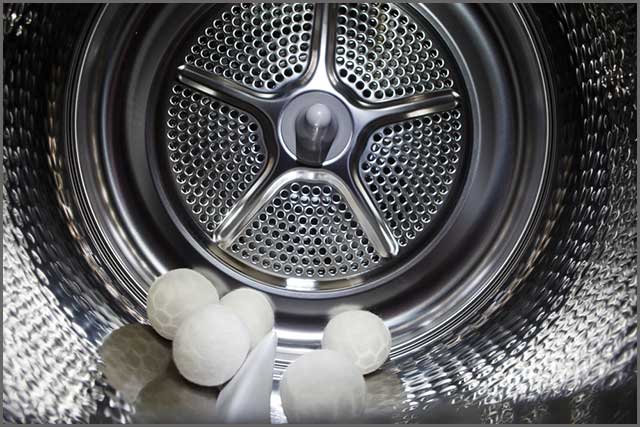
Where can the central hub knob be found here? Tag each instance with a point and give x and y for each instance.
(318, 116)
(315, 132)
(315, 128)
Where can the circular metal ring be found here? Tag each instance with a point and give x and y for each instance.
(488, 108)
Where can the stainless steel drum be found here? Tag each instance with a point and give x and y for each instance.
(476, 189)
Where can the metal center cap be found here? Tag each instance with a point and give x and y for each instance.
(315, 128)
(318, 116)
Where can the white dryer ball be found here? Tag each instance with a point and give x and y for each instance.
(174, 296)
(254, 309)
(322, 386)
(361, 336)
(211, 345)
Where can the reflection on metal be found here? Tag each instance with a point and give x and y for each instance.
(246, 398)
(132, 356)
(381, 238)
(533, 310)
(170, 399)
(356, 118)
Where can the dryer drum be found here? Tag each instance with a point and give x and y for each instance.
(473, 182)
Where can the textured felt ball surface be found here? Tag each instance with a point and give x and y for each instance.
(254, 309)
(210, 345)
(361, 336)
(322, 386)
(175, 295)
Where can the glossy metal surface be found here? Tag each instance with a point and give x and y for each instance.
(477, 229)
(510, 312)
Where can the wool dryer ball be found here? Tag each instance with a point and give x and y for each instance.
(211, 345)
(322, 386)
(174, 296)
(361, 336)
(254, 309)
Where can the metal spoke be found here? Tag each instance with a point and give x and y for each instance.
(242, 212)
(372, 223)
(281, 170)
(249, 205)
(367, 216)
(227, 90)
(253, 199)
(324, 33)
(364, 208)
(409, 108)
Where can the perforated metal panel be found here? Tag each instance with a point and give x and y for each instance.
(382, 54)
(306, 230)
(410, 169)
(261, 46)
(558, 345)
(216, 152)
